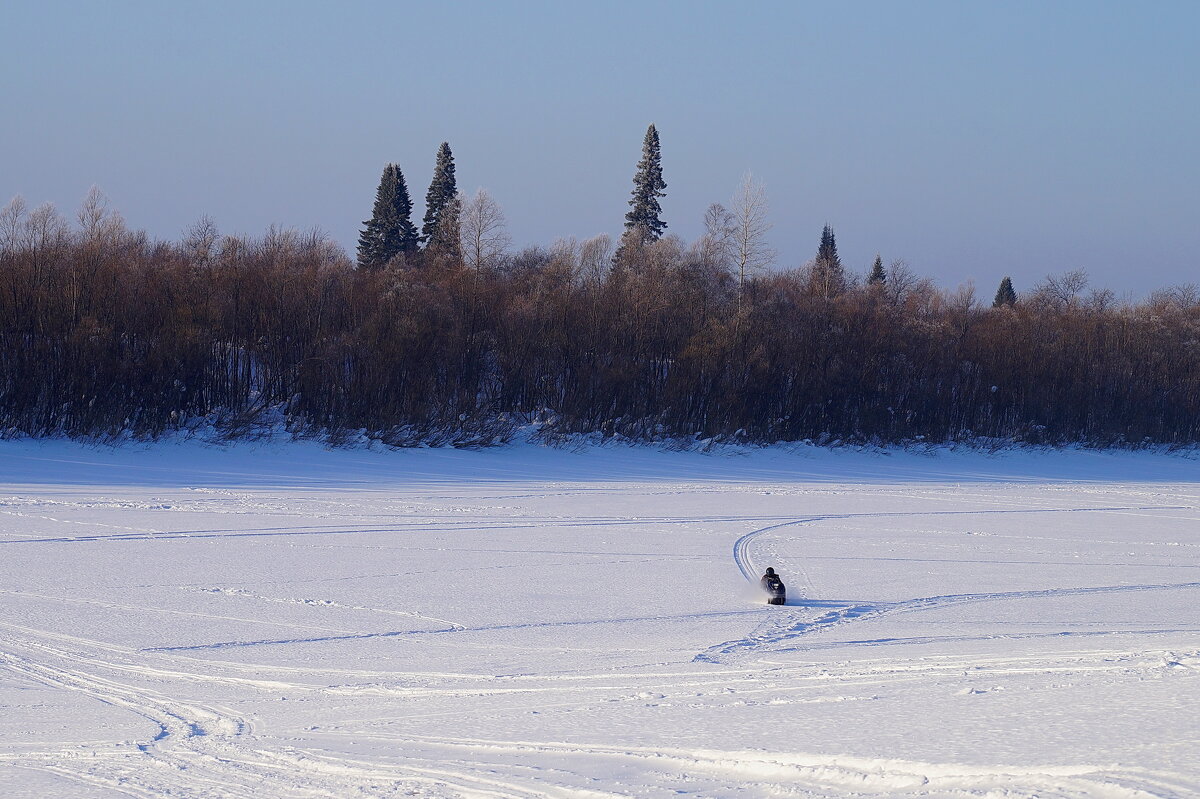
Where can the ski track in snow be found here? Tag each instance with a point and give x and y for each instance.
(197, 750)
(781, 632)
(208, 751)
(329, 603)
(220, 748)
(804, 775)
(205, 750)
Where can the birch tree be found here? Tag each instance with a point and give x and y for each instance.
(484, 231)
(750, 225)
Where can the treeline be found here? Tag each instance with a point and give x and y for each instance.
(104, 331)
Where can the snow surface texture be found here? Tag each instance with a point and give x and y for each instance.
(286, 621)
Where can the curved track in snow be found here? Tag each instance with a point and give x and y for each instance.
(781, 631)
(742, 553)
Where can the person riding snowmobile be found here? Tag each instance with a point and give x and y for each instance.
(773, 586)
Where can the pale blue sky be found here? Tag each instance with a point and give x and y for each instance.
(971, 139)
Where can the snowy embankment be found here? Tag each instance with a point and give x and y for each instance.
(287, 621)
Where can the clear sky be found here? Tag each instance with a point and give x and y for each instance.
(971, 139)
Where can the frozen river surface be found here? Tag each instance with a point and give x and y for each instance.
(287, 621)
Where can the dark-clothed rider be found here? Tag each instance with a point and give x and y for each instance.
(773, 586)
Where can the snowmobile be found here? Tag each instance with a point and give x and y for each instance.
(774, 588)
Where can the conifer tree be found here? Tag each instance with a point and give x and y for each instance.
(827, 251)
(828, 275)
(390, 231)
(446, 238)
(1005, 294)
(442, 190)
(643, 217)
(877, 277)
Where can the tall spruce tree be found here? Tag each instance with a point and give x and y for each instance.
(877, 277)
(828, 274)
(827, 250)
(648, 184)
(1005, 294)
(390, 231)
(442, 190)
(446, 239)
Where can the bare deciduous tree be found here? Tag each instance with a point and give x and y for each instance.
(483, 230)
(200, 239)
(715, 247)
(902, 282)
(1185, 296)
(595, 256)
(12, 220)
(750, 227)
(45, 229)
(1061, 290)
(95, 217)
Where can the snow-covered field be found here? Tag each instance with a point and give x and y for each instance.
(286, 621)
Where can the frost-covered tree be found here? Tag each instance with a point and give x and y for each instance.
(715, 248)
(445, 240)
(482, 230)
(390, 231)
(442, 191)
(643, 219)
(751, 224)
(1005, 295)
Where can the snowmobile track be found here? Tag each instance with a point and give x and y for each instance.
(787, 627)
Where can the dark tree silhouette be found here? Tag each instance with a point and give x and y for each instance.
(442, 191)
(644, 220)
(828, 276)
(877, 277)
(1005, 295)
(390, 231)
